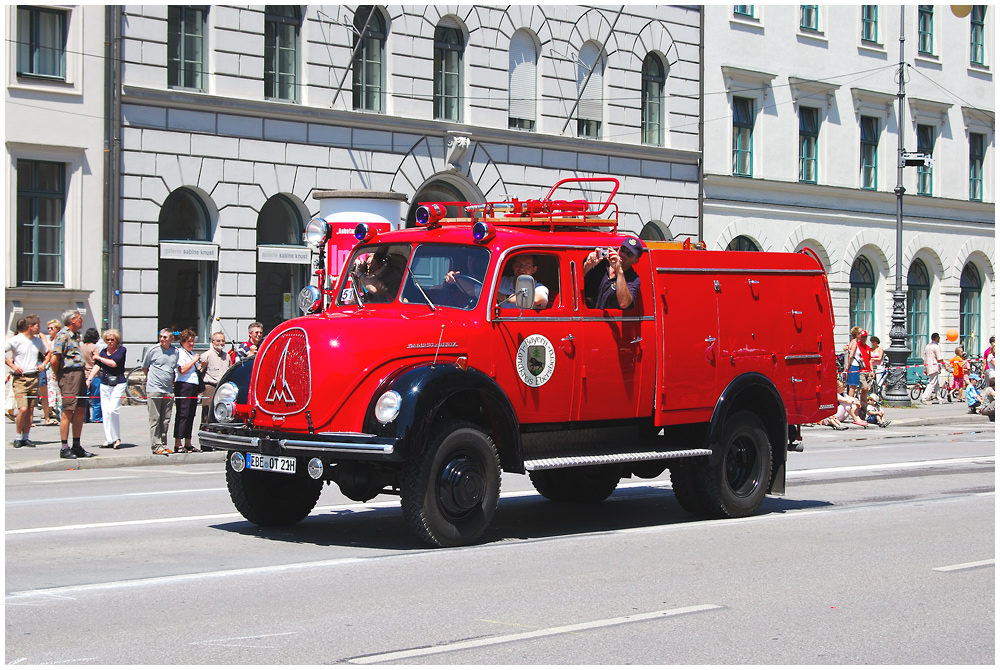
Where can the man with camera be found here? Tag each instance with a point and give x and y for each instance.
(609, 282)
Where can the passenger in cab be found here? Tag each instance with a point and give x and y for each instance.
(522, 264)
(380, 276)
(609, 282)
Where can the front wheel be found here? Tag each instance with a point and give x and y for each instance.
(135, 386)
(915, 392)
(587, 484)
(272, 499)
(450, 491)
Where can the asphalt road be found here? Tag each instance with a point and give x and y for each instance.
(882, 551)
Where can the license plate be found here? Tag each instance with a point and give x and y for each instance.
(271, 463)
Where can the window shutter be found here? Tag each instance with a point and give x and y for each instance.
(522, 76)
(591, 101)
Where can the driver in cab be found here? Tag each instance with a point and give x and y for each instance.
(609, 282)
(523, 264)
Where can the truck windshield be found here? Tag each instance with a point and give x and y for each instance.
(446, 275)
(375, 272)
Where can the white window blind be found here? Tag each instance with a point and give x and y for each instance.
(523, 59)
(593, 97)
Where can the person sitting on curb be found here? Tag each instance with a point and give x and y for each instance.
(972, 396)
(875, 414)
(847, 409)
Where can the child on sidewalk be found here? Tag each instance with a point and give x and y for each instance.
(972, 396)
(875, 414)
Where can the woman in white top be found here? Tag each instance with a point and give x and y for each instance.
(186, 391)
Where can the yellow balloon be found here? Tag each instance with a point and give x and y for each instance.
(961, 11)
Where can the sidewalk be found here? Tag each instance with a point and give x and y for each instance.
(135, 448)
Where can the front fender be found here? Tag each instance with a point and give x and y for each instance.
(431, 392)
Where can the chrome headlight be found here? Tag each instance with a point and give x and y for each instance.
(316, 232)
(224, 402)
(388, 406)
(309, 299)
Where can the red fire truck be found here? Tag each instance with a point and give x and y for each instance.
(473, 344)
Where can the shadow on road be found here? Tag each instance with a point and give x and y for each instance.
(523, 518)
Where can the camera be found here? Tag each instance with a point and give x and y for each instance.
(602, 253)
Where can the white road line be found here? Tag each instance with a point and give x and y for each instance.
(59, 591)
(517, 637)
(891, 466)
(117, 524)
(85, 479)
(115, 496)
(966, 566)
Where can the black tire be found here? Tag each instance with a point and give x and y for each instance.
(450, 491)
(690, 495)
(916, 391)
(270, 498)
(735, 486)
(586, 484)
(135, 386)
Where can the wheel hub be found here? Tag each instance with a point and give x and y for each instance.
(461, 486)
(740, 466)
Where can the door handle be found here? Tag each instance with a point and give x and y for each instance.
(710, 339)
(636, 340)
(796, 312)
(568, 338)
(796, 380)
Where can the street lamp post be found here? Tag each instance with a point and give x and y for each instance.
(899, 350)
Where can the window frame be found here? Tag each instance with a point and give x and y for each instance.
(443, 48)
(925, 29)
(970, 308)
(977, 35)
(368, 68)
(925, 174)
(739, 126)
(976, 160)
(869, 24)
(179, 79)
(32, 197)
(809, 138)
(522, 114)
(872, 144)
(273, 49)
(862, 295)
(27, 49)
(587, 126)
(742, 243)
(744, 11)
(918, 292)
(652, 102)
(804, 13)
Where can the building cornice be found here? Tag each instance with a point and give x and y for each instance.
(810, 89)
(206, 102)
(872, 99)
(738, 79)
(981, 117)
(929, 109)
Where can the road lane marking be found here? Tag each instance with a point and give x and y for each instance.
(240, 641)
(83, 480)
(966, 566)
(530, 635)
(115, 496)
(354, 507)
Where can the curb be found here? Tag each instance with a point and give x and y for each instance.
(962, 418)
(101, 461)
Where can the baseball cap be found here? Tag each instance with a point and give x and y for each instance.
(864, 333)
(974, 377)
(633, 245)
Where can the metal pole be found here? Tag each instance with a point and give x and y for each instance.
(899, 351)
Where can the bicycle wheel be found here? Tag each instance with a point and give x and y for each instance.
(135, 386)
(915, 391)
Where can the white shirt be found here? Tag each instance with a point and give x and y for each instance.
(27, 351)
(183, 358)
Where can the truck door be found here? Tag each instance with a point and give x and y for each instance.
(618, 364)
(809, 356)
(689, 346)
(535, 351)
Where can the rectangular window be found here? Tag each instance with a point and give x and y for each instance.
(977, 152)
(869, 23)
(869, 153)
(808, 140)
(185, 47)
(743, 10)
(809, 17)
(743, 118)
(41, 42)
(41, 199)
(280, 58)
(925, 29)
(925, 174)
(917, 319)
(977, 36)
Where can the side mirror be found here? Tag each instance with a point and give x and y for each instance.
(524, 290)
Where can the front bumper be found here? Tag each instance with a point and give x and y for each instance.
(330, 446)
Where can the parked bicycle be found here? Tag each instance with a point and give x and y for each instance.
(944, 393)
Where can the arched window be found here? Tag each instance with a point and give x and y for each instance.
(186, 287)
(653, 82)
(449, 51)
(281, 52)
(279, 226)
(523, 60)
(862, 305)
(918, 290)
(369, 59)
(742, 243)
(436, 191)
(652, 232)
(590, 88)
(969, 305)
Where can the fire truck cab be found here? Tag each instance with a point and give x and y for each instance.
(474, 344)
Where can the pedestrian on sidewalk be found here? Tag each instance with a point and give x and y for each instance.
(217, 364)
(110, 366)
(89, 349)
(933, 362)
(186, 391)
(159, 366)
(255, 332)
(972, 397)
(48, 394)
(990, 361)
(28, 357)
(67, 367)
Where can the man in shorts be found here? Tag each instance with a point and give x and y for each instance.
(29, 356)
(67, 366)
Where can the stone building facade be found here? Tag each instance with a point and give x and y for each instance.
(801, 128)
(232, 117)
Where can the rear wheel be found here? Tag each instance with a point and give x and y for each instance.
(587, 484)
(685, 481)
(272, 499)
(915, 391)
(449, 493)
(135, 386)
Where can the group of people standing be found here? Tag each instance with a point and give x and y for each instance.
(857, 402)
